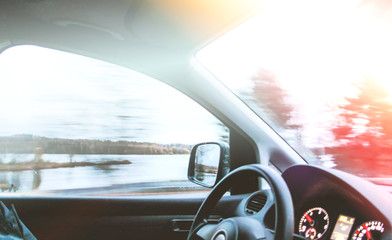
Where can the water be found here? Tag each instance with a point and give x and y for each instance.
(144, 168)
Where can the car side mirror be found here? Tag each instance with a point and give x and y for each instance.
(209, 163)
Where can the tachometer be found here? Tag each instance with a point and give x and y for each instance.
(314, 223)
(369, 230)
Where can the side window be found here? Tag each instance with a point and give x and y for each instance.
(71, 125)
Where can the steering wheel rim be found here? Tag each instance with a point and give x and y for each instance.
(284, 210)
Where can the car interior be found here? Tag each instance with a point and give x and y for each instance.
(261, 188)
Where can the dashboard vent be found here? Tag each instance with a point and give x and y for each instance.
(255, 203)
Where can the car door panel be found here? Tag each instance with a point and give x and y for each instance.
(112, 218)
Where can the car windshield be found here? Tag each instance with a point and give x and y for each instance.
(318, 72)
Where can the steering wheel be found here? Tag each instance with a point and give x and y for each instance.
(250, 227)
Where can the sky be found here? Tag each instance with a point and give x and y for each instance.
(50, 93)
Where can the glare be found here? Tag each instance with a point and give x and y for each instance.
(308, 44)
(308, 68)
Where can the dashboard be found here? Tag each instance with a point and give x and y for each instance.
(329, 204)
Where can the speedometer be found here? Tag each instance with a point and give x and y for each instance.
(369, 230)
(314, 223)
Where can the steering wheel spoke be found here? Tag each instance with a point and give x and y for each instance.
(206, 231)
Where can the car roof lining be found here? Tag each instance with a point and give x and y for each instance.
(145, 27)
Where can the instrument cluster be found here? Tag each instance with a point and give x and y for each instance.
(316, 223)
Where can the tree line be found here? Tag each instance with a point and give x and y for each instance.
(27, 144)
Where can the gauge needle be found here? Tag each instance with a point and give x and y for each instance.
(368, 234)
(308, 218)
